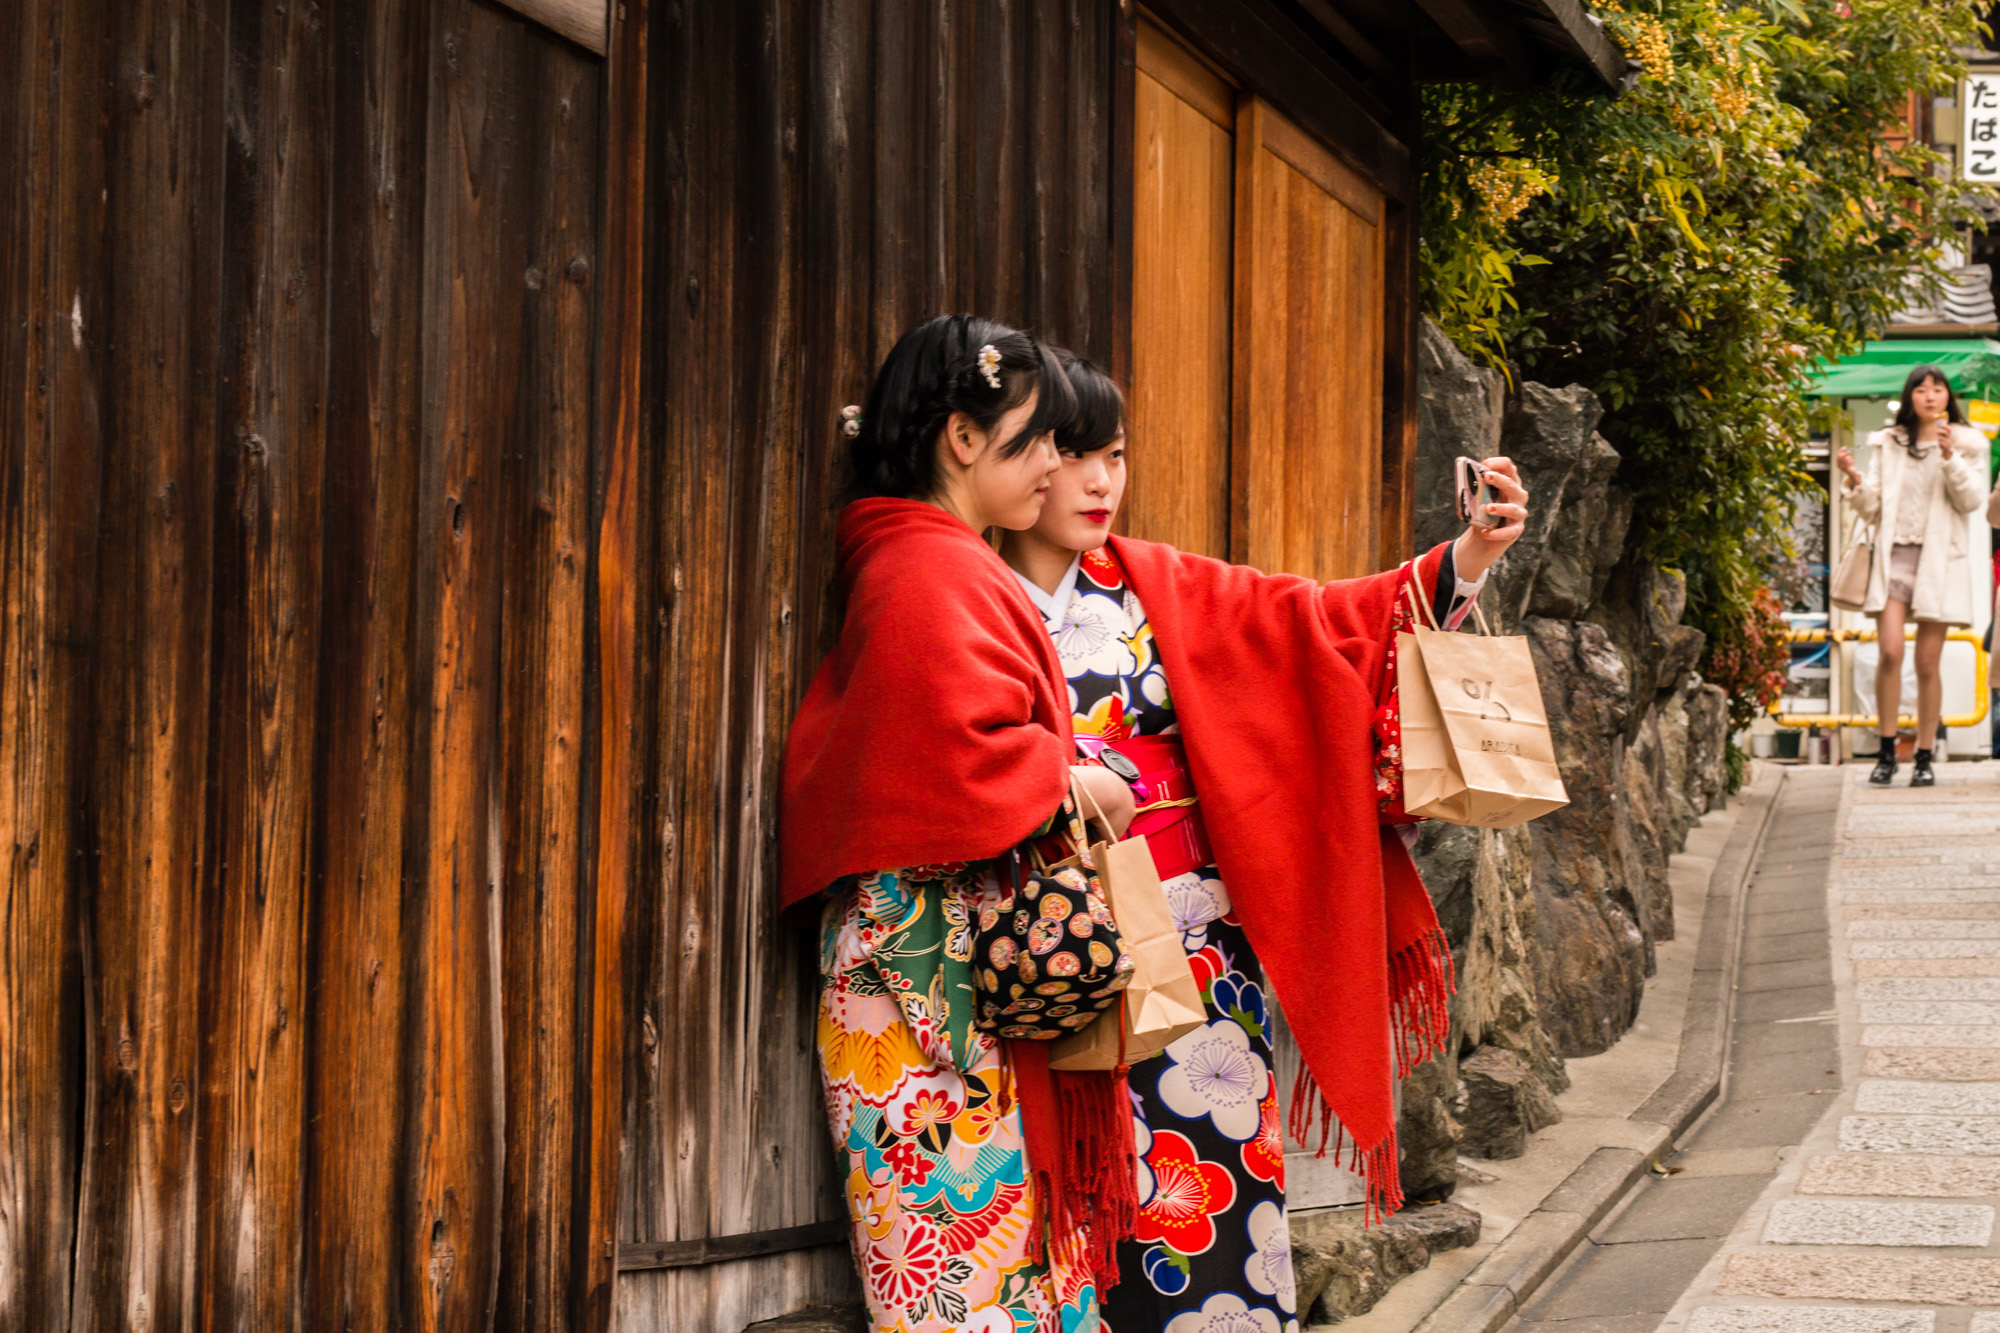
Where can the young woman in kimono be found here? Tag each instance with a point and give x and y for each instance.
(985, 1192)
(1264, 699)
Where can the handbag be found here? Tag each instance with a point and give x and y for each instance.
(1161, 1001)
(1476, 742)
(1048, 956)
(1848, 588)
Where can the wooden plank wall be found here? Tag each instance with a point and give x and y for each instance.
(830, 173)
(297, 467)
(415, 525)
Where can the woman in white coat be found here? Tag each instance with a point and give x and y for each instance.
(1919, 494)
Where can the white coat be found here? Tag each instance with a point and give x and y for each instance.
(1943, 591)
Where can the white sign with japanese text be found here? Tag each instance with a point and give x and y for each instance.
(1979, 149)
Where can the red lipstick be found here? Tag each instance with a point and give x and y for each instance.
(1098, 515)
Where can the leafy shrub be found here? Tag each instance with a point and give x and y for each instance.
(1688, 251)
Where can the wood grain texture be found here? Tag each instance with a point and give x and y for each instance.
(863, 168)
(1308, 382)
(47, 548)
(142, 132)
(416, 531)
(270, 454)
(295, 565)
(1184, 191)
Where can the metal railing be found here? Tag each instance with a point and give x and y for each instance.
(1839, 636)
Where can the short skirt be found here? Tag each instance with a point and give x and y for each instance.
(1902, 574)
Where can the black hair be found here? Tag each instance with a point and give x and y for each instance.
(933, 371)
(1906, 415)
(1100, 406)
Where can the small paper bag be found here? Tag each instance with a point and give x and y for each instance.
(1162, 1001)
(1476, 743)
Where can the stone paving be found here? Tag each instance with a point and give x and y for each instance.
(1783, 1067)
(1880, 1218)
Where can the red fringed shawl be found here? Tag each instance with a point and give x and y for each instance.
(938, 730)
(1276, 680)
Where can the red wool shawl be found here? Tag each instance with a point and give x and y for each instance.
(938, 730)
(1275, 681)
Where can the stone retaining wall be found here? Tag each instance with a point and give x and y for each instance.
(1553, 924)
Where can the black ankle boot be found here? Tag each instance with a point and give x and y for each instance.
(1920, 770)
(1885, 765)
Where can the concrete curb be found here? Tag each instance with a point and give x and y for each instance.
(1508, 1278)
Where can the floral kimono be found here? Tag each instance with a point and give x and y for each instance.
(923, 1111)
(1213, 1250)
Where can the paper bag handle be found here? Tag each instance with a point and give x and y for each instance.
(1419, 606)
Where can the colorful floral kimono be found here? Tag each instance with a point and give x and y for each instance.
(1213, 1251)
(923, 1111)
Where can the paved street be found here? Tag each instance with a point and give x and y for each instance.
(1847, 1183)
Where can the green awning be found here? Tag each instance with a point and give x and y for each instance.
(1878, 370)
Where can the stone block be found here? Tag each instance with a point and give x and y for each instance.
(1943, 1062)
(1343, 1268)
(1920, 1280)
(1501, 1102)
(1933, 1135)
(1846, 1222)
(1809, 1319)
(1908, 1176)
(1894, 1096)
(816, 1319)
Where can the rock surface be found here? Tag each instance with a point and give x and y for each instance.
(1500, 1103)
(1590, 949)
(1551, 434)
(1427, 1132)
(1459, 408)
(1343, 1269)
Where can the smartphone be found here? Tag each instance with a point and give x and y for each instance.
(1476, 496)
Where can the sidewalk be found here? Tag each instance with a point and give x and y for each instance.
(1623, 1107)
(1881, 1218)
(1780, 1080)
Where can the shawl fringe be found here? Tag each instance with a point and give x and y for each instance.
(1421, 984)
(1098, 1195)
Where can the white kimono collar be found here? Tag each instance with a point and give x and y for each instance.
(1053, 604)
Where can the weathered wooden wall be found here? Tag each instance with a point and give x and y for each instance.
(830, 172)
(298, 457)
(415, 479)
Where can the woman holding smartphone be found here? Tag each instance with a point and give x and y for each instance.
(1919, 494)
(1251, 715)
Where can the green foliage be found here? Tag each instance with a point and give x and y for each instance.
(1748, 659)
(1688, 250)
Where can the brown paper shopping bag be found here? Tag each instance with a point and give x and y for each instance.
(1476, 743)
(1162, 1001)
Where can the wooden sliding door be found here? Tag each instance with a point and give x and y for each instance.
(1307, 470)
(1259, 291)
(1184, 197)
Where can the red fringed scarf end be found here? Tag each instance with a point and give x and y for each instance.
(1100, 1171)
(1421, 984)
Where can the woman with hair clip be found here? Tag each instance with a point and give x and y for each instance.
(1919, 495)
(1263, 698)
(986, 1192)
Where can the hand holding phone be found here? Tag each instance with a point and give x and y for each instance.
(1476, 494)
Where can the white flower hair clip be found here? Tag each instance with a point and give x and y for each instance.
(989, 365)
(850, 421)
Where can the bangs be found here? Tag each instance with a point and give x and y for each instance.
(1055, 408)
(1100, 409)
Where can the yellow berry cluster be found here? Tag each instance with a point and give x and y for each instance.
(1732, 100)
(1504, 192)
(1647, 42)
